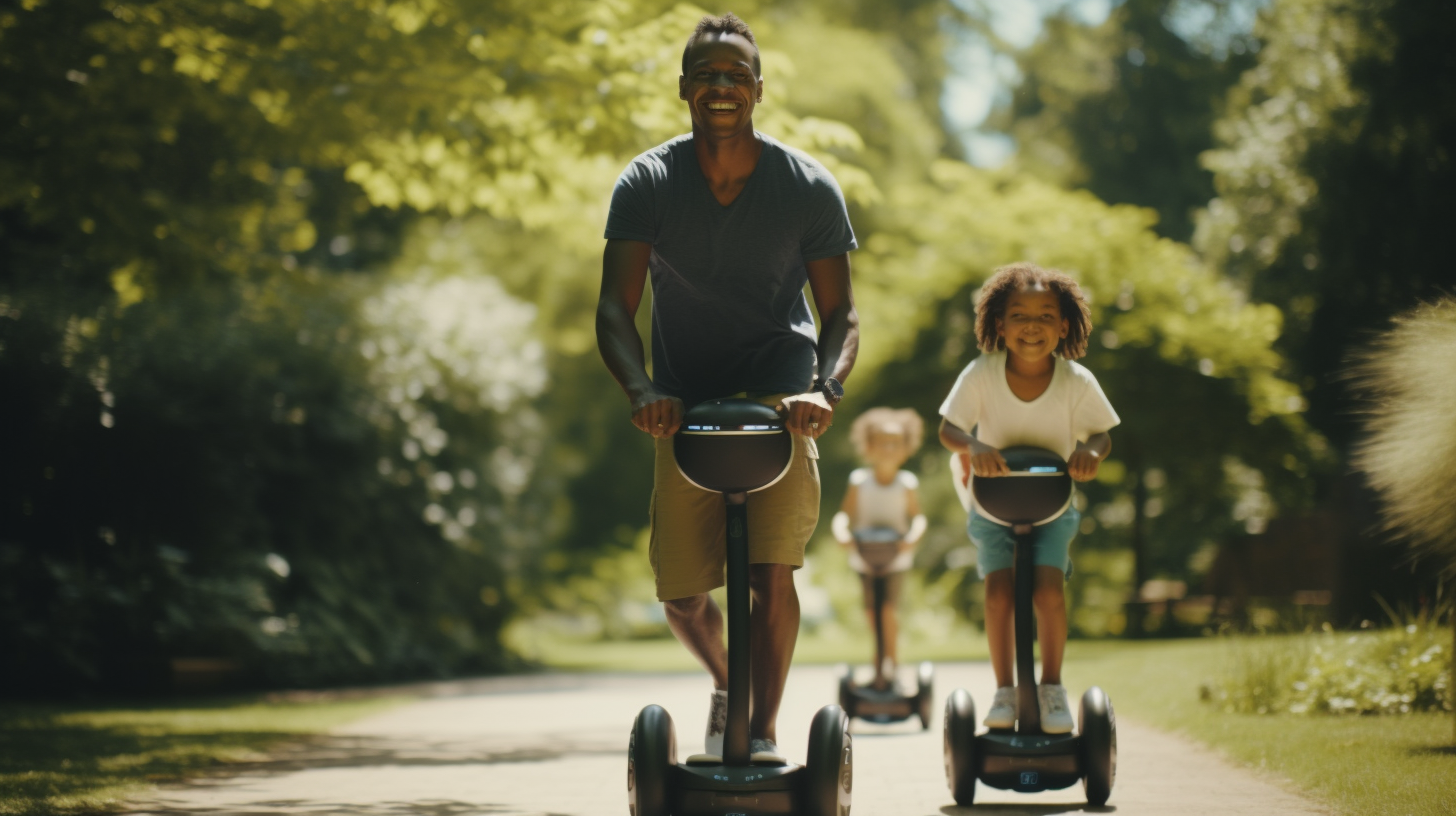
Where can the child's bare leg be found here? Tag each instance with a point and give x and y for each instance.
(1000, 600)
(879, 647)
(1051, 622)
(892, 636)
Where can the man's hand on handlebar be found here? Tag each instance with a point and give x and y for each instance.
(657, 414)
(809, 414)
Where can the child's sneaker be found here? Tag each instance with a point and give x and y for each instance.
(1056, 716)
(766, 753)
(1003, 709)
(717, 724)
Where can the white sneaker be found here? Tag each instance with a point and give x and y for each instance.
(1003, 709)
(717, 723)
(1056, 716)
(764, 752)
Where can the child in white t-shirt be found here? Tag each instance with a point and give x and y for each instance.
(1024, 389)
(880, 521)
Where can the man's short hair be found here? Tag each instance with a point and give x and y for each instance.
(727, 24)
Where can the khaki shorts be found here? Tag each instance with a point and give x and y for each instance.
(689, 544)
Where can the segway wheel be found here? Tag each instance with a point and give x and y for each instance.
(846, 689)
(960, 747)
(925, 694)
(650, 753)
(1098, 727)
(829, 771)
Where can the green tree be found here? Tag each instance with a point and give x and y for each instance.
(1334, 172)
(226, 440)
(1188, 363)
(1125, 108)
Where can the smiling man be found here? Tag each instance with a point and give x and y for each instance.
(731, 225)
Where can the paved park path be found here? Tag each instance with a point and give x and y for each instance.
(555, 745)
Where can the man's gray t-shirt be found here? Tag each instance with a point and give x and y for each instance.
(729, 313)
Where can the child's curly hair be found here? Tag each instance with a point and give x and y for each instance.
(1020, 277)
(904, 421)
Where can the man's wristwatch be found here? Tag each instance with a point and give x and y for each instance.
(832, 390)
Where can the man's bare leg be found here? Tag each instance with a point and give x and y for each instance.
(775, 625)
(698, 624)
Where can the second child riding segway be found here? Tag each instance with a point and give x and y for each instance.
(878, 548)
(1038, 488)
(736, 447)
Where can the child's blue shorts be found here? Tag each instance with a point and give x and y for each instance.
(996, 544)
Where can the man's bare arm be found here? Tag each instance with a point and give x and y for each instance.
(811, 414)
(624, 275)
(839, 329)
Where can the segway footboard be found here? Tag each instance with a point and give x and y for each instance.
(1029, 763)
(717, 790)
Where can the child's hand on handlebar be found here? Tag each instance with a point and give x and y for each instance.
(987, 461)
(657, 414)
(1083, 463)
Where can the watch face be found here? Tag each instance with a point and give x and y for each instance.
(833, 389)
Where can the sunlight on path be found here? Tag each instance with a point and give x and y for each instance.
(556, 745)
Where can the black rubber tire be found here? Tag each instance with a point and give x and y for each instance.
(1098, 728)
(829, 769)
(650, 754)
(846, 690)
(960, 747)
(925, 694)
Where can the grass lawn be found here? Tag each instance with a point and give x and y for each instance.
(1397, 765)
(57, 759)
(666, 654)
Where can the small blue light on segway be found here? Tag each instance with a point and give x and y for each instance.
(1041, 469)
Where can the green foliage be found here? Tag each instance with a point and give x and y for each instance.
(1124, 109)
(1409, 446)
(296, 310)
(1333, 172)
(1399, 670)
(1187, 362)
(204, 476)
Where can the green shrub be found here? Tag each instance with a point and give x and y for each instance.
(1398, 670)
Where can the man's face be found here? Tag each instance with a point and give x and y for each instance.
(721, 86)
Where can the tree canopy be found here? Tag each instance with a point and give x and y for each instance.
(296, 306)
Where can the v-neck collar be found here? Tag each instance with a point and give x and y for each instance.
(708, 186)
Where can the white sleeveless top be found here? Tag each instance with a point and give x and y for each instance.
(883, 506)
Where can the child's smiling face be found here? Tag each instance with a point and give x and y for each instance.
(1032, 324)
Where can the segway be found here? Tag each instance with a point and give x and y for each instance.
(878, 547)
(735, 447)
(1026, 759)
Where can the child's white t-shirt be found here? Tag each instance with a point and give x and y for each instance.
(1070, 410)
(882, 505)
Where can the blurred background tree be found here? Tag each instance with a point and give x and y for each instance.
(297, 370)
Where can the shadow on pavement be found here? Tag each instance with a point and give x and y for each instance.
(303, 807)
(313, 753)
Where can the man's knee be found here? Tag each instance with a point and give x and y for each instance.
(686, 609)
(770, 582)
